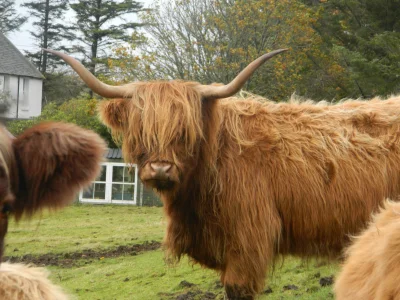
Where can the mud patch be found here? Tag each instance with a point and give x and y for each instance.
(72, 259)
(191, 291)
(267, 291)
(290, 287)
(185, 284)
(326, 281)
(195, 294)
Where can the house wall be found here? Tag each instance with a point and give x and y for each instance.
(28, 101)
(35, 97)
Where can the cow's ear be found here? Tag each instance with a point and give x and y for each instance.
(55, 161)
(114, 113)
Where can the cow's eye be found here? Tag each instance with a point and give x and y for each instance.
(5, 211)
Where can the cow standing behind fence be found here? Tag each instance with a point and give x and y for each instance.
(243, 180)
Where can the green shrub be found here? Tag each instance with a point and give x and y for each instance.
(82, 112)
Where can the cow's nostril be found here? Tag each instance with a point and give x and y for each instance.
(160, 168)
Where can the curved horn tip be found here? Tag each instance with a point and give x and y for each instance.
(275, 52)
(52, 51)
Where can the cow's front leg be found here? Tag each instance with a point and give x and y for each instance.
(243, 278)
(235, 292)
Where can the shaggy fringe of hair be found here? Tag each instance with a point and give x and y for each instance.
(160, 115)
(24, 282)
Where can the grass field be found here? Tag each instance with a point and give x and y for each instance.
(112, 252)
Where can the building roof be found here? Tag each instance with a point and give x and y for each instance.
(12, 62)
(113, 154)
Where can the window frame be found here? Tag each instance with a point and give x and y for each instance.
(108, 185)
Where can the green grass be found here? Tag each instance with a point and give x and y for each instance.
(81, 227)
(142, 276)
(146, 276)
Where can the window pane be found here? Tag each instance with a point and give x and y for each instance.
(88, 193)
(2, 81)
(6, 83)
(116, 193)
(100, 191)
(129, 174)
(102, 176)
(129, 192)
(118, 174)
(21, 85)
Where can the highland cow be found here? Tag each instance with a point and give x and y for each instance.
(18, 281)
(244, 180)
(44, 168)
(372, 266)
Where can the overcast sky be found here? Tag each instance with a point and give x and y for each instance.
(22, 38)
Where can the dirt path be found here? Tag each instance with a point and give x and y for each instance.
(68, 260)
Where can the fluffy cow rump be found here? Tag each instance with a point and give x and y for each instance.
(372, 266)
(22, 282)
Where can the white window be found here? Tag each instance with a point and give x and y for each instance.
(2, 83)
(97, 191)
(24, 93)
(117, 183)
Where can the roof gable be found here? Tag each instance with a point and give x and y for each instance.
(12, 62)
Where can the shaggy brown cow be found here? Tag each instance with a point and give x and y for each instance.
(45, 167)
(372, 267)
(243, 180)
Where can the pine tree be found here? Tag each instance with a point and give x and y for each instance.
(49, 30)
(9, 19)
(94, 22)
(364, 37)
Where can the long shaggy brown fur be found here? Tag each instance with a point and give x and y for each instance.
(258, 178)
(45, 167)
(55, 161)
(42, 168)
(21, 282)
(372, 266)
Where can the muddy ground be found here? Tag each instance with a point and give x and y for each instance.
(192, 291)
(69, 260)
(188, 290)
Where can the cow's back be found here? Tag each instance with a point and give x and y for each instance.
(324, 168)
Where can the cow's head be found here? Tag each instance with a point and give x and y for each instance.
(45, 167)
(161, 123)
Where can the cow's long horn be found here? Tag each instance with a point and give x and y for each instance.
(104, 90)
(215, 92)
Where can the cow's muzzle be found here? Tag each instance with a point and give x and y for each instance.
(160, 175)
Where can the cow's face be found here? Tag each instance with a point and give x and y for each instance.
(45, 167)
(161, 128)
